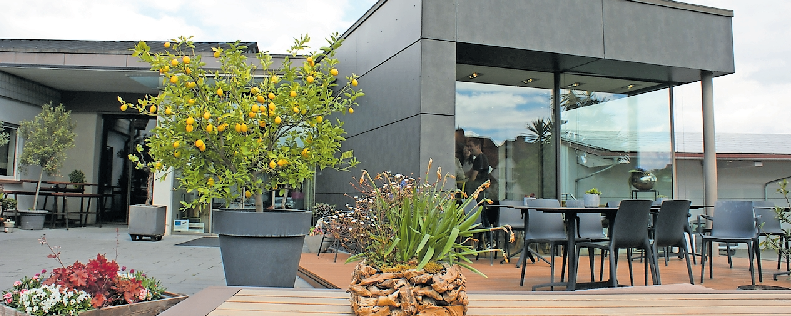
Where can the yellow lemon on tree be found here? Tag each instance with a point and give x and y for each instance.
(168, 111)
(153, 109)
(188, 71)
(309, 59)
(278, 120)
(248, 194)
(271, 106)
(254, 90)
(209, 128)
(174, 79)
(191, 84)
(262, 123)
(174, 62)
(206, 115)
(272, 164)
(309, 79)
(244, 128)
(319, 119)
(296, 109)
(282, 162)
(251, 114)
(216, 54)
(167, 44)
(186, 59)
(157, 165)
(219, 91)
(260, 99)
(221, 127)
(191, 101)
(190, 120)
(199, 143)
(210, 181)
(354, 82)
(167, 68)
(177, 154)
(305, 152)
(303, 111)
(255, 108)
(271, 96)
(176, 144)
(351, 110)
(123, 107)
(334, 72)
(293, 93)
(189, 128)
(238, 128)
(273, 79)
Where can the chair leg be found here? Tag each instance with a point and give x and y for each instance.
(757, 248)
(629, 262)
(613, 267)
(592, 258)
(702, 261)
(730, 260)
(523, 259)
(689, 267)
(601, 264)
(788, 256)
(751, 254)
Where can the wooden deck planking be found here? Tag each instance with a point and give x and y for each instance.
(336, 302)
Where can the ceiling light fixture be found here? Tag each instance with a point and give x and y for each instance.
(574, 85)
(474, 75)
(529, 80)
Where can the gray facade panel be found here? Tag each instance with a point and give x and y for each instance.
(393, 147)
(392, 93)
(660, 35)
(438, 77)
(561, 26)
(439, 19)
(394, 26)
(437, 143)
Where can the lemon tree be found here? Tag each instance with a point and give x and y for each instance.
(245, 129)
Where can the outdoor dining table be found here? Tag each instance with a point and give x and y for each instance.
(571, 218)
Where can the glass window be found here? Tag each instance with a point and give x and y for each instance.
(8, 151)
(504, 132)
(617, 142)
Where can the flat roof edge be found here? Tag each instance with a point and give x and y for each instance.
(687, 6)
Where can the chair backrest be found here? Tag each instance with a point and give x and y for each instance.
(542, 225)
(734, 219)
(575, 203)
(511, 216)
(631, 224)
(470, 208)
(768, 222)
(671, 221)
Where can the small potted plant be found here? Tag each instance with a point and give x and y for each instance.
(592, 198)
(7, 204)
(77, 177)
(47, 137)
(412, 238)
(244, 130)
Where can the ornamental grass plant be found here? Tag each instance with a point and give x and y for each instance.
(399, 222)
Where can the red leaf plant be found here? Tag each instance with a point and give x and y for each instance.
(100, 279)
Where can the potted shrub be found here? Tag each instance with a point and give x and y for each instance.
(242, 131)
(412, 236)
(146, 220)
(47, 137)
(7, 204)
(592, 198)
(77, 176)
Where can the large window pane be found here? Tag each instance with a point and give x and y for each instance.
(8, 152)
(512, 127)
(606, 137)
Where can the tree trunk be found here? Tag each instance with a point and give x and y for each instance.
(259, 202)
(38, 188)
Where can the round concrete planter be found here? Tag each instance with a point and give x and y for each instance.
(32, 219)
(261, 249)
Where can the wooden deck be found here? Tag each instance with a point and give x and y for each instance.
(500, 294)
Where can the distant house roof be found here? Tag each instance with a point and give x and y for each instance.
(688, 145)
(100, 47)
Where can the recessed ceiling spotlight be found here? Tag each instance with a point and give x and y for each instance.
(574, 85)
(631, 86)
(474, 75)
(529, 80)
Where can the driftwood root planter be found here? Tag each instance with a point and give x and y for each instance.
(410, 292)
(148, 308)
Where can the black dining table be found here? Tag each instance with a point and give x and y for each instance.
(571, 218)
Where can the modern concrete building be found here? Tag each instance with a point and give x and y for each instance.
(561, 95)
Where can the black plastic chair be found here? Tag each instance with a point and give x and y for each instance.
(543, 228)
(769, 225)
(512, 217)
(733, 222)
(670, 230)
(629, 231)
(589, 229)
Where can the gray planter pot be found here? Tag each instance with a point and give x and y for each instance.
(261, 249)
(32, 219)
(147, 221)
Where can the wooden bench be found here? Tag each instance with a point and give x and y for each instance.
(84, 211)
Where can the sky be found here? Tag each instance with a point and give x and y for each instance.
(753, 100)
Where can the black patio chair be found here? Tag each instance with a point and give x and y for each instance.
(733, 222)
(670, 231)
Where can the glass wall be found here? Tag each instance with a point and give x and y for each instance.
(611, 130)
(612, 139)
(7, 151)
(510, 128)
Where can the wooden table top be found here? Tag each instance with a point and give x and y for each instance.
(655, 300)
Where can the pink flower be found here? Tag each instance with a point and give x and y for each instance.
(7, 295)
(123, 268)
(23, 291)
(17, 283)
(132, 271)
(43, 271)
(35, 277)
